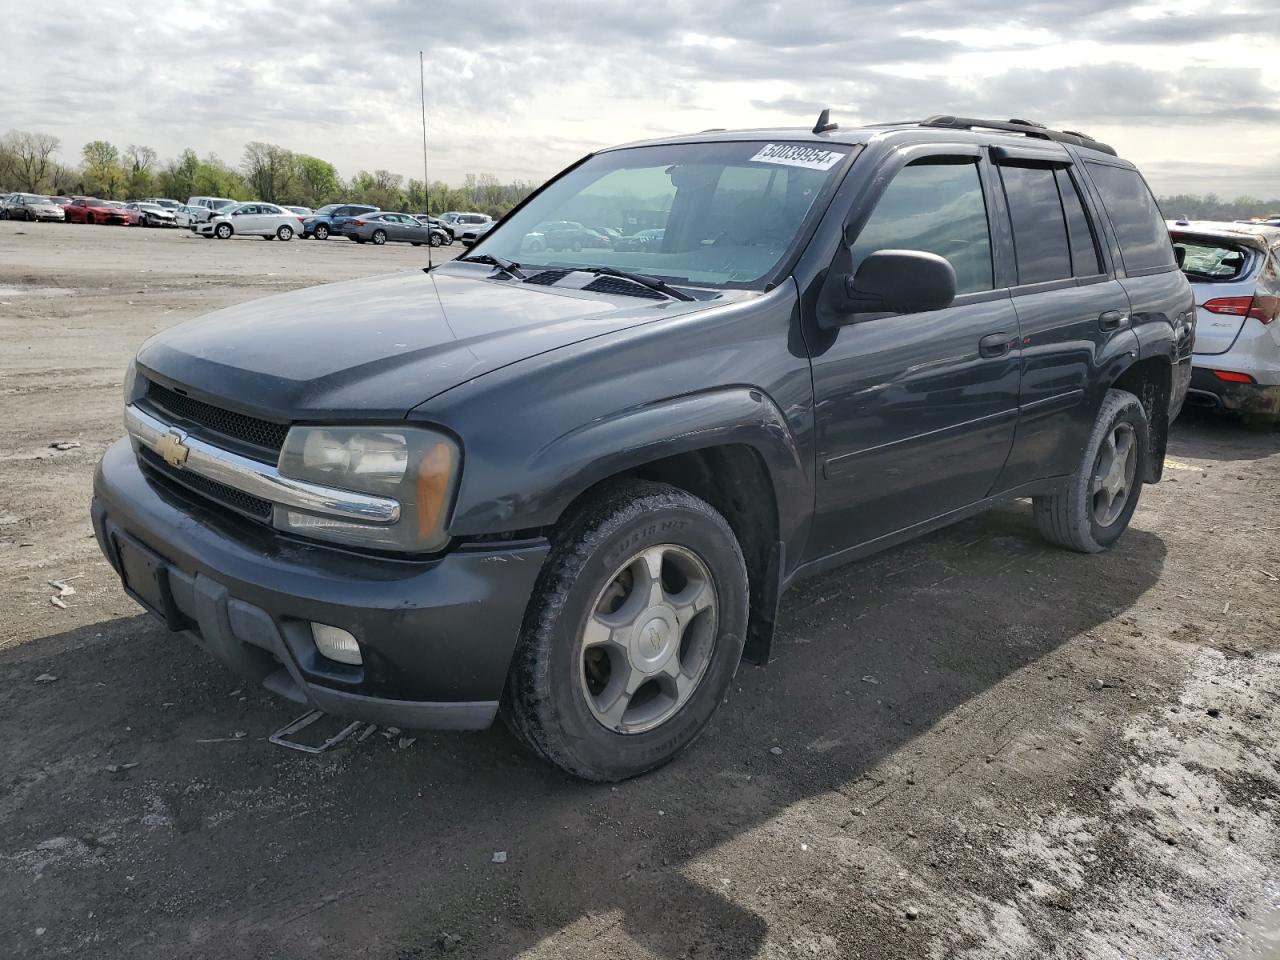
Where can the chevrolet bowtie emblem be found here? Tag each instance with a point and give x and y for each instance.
(171, 447)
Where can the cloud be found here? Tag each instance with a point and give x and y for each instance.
(522, 89)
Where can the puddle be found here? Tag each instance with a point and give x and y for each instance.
(33, 291)
(1259, 932)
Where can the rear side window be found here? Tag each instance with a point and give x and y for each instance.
(1139, 225)
(937, 208)
(1039, 228)
(1085, 261)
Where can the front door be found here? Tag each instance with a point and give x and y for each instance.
(916, 413)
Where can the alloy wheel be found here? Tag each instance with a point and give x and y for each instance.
(1113, 474)
(648, 639)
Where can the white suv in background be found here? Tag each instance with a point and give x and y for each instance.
(205, 207)
(1234, 269)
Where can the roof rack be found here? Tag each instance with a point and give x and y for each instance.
(1025, 127)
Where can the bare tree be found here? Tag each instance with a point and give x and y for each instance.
(31, 156)
(140, 159)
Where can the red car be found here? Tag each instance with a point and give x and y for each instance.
(92, 210)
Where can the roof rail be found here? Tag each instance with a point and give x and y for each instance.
(1026, 127)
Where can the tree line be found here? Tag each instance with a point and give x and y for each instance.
(29, 163)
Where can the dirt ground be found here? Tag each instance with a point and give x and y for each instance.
(989, 748)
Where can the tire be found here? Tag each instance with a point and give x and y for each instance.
(558, 684)
(1085, 516)
(321, 232)
(223, 231)
(89, 218)
(31, 217)
(285, 233)
(379, 237)
(436, 240)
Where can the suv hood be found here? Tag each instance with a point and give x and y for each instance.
(380, 346)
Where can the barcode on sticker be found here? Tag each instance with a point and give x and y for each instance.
(798, 155)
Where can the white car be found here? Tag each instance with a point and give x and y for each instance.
(1234, 269)
(151, 214)
(205, 207)
(186, 216)
(254, 219)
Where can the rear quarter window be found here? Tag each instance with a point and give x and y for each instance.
(1135, 216)
(1206, 260)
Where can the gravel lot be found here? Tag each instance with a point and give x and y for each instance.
(988, 747)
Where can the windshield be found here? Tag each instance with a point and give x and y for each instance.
(722, 214)
(221, 204)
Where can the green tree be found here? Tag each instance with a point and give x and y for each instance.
(317, 181)
(103, 172)
(269, 171)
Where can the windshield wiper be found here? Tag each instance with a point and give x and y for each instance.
(653, 283)
(502, 263)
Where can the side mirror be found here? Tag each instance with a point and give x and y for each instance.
(901, 281)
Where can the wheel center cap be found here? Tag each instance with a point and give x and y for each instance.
(652, 640)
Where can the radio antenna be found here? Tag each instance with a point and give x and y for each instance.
(426, 175)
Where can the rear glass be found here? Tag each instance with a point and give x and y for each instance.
(1208, 260)
(1139, 225)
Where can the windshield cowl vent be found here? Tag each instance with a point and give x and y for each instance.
(547, 277)
(621, 287)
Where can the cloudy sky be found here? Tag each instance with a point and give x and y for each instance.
(1188, 90)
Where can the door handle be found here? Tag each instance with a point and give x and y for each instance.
(1111, 320)
(995, 345)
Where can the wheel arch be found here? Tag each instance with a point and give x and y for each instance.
(1151, 381)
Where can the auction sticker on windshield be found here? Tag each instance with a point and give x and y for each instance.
(798, 155)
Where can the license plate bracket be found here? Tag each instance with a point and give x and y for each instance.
(145, 576)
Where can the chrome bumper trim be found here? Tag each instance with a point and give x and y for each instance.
(259, 479)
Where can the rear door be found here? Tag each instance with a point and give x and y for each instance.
(915, 413)
(1070, 309)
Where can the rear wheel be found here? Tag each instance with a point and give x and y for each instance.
(379, 237)
(285, 233)
(1094, 510)
(321, 232)
(633, 634)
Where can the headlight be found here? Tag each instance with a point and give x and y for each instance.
(417, 467)
(130, 382)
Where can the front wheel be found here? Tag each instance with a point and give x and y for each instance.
(436, 240)
(223, 231)
(321, 232)
(1095, 508)
(633, 635)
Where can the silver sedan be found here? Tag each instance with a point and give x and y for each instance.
(383, 227)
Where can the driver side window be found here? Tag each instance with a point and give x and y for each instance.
(935, 207)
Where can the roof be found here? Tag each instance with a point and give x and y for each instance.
(1257, 235)
(950, 128)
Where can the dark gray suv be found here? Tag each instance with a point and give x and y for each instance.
(573, 491)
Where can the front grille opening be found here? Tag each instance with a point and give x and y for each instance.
(243, 503)
(202, 417)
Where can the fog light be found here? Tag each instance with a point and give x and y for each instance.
(336, 644)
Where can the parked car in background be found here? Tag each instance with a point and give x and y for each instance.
(571, 235)
(165, 202)
(1234, 269)
(253, 219)
(205, 207)
(61, 201)
(32, 207)
(186, 216)
(642, 240)
(300, 211)
(459, 222)
(438, 224)
(93, 210)
(473, 234)
(383, 227)
(577, 495)
(146, 214)
(320, 224)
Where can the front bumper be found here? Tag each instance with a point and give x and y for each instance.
(436, 636)
(1255, 399)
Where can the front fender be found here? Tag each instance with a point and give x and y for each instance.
(568, 465)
